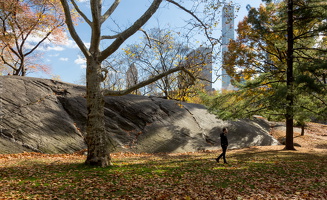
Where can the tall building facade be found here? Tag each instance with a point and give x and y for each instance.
(132, 77)
(227, 35)
(201, 58)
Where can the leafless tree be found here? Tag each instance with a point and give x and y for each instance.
(98, 141)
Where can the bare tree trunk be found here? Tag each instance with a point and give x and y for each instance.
(19, 72)
(289, 133)
(98, 141)
(289, 97)
(302, 129)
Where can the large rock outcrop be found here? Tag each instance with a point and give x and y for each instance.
(50, 116)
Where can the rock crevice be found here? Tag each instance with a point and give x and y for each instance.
(50, 117)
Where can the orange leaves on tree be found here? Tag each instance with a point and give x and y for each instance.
(247, 55)
(26, 26)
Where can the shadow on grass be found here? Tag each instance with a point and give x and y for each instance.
(151, 176)
(279, 155)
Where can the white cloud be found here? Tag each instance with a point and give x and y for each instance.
(80, 61)
(63, 59)
(87, 44)
(71, 44)
(54, 55)
(46, 48)
(47, 45)
(54, 48)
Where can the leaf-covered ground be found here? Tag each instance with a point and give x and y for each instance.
(252, 173)
(315, 135)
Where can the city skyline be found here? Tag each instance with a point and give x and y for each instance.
(67, 62)
(227, 35)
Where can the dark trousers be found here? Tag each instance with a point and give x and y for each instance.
(223, 154)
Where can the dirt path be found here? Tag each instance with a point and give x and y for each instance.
(315, 135)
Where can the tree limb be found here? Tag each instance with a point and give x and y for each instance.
(131, 30)
(109, 37)
(107, 92)
(193, 15)
(109, 11)
(5, 61)
(149, 38)
(105, 74)
(81, 13)
(72, 29)
(117, 35)
(41, 41)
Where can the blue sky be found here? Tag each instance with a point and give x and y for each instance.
(67, 61)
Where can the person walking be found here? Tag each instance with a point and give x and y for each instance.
(224, 145)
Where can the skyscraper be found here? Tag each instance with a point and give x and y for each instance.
(227, 35)
(132, 77)
(201, 58)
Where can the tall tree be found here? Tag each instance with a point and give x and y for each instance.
(161, 50)
(98, 141)
(289, 114)
(274, 75)
(25, 26)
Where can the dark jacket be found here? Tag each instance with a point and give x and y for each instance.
(223, 139)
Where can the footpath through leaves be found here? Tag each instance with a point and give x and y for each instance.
(253, 173)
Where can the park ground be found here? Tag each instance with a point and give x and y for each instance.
(267, 172)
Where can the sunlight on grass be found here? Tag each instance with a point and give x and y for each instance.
(159, 171)
(231, 168)
(258, 175)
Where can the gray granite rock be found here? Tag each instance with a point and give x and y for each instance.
(49, 116)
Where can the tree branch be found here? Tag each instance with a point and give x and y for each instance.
(4, 60)
(110, 11)
(81, 13)
(117, 35)
(149, 38)
(109, 37)
(41, 41)
(72, 29)
(107, 92)
(193, 15)
(131, 30)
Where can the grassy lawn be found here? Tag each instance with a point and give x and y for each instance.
(252, 173)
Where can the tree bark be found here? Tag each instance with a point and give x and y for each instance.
(98, 141)
(302, 129)
(289, 97)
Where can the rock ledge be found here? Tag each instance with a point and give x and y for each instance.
(49, 116)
